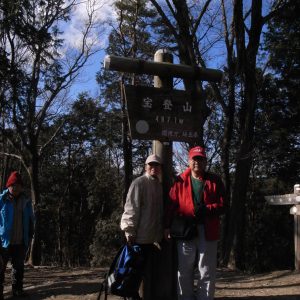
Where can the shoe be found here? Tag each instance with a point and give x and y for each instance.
(20, 293)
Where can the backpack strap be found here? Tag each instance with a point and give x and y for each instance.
(104, 283)
(113, 264)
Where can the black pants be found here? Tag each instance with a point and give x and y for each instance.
(150, 253)
(17, 255)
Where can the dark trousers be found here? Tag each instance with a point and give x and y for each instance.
(17, 255)
(150, 253)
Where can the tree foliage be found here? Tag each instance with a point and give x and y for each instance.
(35, 76)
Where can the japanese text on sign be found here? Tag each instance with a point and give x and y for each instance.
(162, 114)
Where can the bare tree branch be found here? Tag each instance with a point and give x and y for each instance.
(12, 155)
(165, 18)
(198, 20)
(42, 149)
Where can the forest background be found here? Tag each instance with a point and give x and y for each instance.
(76, 154)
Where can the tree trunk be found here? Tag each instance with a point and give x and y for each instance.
(225, 158)
(229, 115)
(35, 253)
(243, 166)
(246, 55)
(127, 146)
(4, 172)
(187, 56)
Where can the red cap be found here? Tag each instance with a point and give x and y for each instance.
(197, 151)
(14, 178)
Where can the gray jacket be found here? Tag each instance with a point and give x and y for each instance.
(143, 211)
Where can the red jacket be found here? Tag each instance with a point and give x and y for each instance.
(181, 201)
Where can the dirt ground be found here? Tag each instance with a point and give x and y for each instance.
(79, 283)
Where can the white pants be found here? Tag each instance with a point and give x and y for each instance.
(203, 254)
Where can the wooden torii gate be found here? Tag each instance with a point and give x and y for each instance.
(164, 71)
(291, 199)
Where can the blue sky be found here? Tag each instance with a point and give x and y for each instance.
(105, 14)
(86, 82)
(72, 35)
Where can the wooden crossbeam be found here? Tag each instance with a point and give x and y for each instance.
(163, 69)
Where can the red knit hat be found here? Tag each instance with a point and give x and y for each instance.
(14, 178)
(197, 151)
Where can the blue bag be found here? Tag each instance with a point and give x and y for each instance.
(125, 273)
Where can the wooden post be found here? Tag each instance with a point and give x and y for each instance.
(164, 150)
(164, 285)
(295, 210)
(297, 238)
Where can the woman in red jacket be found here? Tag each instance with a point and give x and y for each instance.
(199, 195)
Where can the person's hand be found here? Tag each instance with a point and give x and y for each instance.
(167, 235)
(130, 240)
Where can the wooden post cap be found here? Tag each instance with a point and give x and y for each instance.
(293, 210)
(297, 189)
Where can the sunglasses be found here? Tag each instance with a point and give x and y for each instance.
(199, 158)
(154, 164)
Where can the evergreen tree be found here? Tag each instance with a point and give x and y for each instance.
(282, 41)
(80, 182)
(275, 167)
(131, 37)
(35, 76)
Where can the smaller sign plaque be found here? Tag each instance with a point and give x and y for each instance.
(288, 199)
(165, 115)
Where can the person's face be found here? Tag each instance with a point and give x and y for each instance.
(197, 164)
(15, 189)
(153, 169)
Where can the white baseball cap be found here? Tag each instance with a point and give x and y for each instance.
(153, 158)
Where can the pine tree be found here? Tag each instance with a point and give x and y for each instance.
(131, 37)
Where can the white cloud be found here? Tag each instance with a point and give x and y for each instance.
(103, 14)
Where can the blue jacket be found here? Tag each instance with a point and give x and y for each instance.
(6, 219)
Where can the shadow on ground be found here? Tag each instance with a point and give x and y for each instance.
(53, 283)
(289, 297)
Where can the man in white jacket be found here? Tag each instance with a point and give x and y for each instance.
(142, 220)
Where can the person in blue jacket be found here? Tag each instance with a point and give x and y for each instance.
(16, 231)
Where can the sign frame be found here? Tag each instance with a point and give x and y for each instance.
(162, 114)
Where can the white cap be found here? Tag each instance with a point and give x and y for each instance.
(153, 158)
